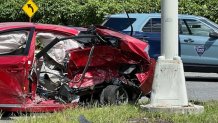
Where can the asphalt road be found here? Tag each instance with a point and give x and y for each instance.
(202, 86)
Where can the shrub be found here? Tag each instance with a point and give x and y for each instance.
(86, 12)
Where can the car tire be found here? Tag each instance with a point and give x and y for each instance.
(114, 94)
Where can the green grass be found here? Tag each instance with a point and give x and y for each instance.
(123, 114)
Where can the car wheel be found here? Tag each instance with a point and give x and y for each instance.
(114, 94)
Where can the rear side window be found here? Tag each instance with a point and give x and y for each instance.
(119, 24)
(195, 27)
(153, 25)
(13, 43)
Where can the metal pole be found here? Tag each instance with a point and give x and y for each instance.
(169, 89)
(30, 19)
(169, 81)
(169, 29)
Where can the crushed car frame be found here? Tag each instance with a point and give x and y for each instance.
(71, 66)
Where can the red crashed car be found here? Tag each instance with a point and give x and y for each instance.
(49, 67)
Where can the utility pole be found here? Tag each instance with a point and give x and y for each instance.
(169, 89)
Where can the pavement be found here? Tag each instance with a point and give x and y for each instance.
(202, 91)
(202, 86)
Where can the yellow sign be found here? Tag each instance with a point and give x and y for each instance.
(30, 8)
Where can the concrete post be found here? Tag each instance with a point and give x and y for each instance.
(169, 89)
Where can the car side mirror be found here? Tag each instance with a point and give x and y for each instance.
(213, 34)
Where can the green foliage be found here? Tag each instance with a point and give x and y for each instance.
(123, 114)
(87, 12)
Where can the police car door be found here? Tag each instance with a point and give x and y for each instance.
(196, 45)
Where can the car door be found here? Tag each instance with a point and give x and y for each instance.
(197, 48)
(151, 32)
(15, 62)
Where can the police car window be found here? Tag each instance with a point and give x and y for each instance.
(210, 23)
(194, 27)
(119, 24)
(153, 25)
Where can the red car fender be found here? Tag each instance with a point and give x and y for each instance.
(146, 79)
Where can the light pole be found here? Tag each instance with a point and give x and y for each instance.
(169, 89)
(169, 83)
(169, 28)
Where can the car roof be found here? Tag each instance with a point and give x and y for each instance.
(146, 15)
(141, 17)
(38, 26)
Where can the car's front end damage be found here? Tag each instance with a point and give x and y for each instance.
(97, 64)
